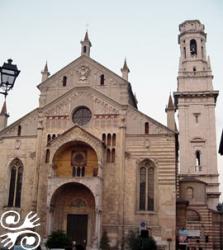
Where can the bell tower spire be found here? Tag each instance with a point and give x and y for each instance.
(193, 60)
(86, 45)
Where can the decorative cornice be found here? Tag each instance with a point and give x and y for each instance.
(195, 94)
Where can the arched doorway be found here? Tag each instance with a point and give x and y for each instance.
(73, 211)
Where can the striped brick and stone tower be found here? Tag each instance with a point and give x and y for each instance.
(195, 100)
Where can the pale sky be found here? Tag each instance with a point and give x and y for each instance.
(143, 31)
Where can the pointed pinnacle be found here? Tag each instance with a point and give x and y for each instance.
(86, 39)
(4, 109)
(125, 67)
(46, 68)
(45, 72)
(170, 103)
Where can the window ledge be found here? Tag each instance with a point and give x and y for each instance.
(145, 212)
(7, 208)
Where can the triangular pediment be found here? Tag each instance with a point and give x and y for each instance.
(83, 69)
(75, 133)
(97, 102)
(86, 72)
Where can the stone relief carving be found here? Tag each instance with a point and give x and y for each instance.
(66, 106)
(83, 72)
(147, 143)
(17, 144)
(78, 203)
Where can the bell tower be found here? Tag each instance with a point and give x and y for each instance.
(195, 101)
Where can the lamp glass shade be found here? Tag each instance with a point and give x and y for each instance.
(8, 76)
(9, 73)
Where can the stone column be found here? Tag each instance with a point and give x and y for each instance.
(49, 221)
(97, 236)
(38, 157)
(99, 169)
(98, 209)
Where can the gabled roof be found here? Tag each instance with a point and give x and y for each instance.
(90, 60)
(17, 122)
(87, 58)
(154, 121)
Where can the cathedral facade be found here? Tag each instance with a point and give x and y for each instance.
(88, 161)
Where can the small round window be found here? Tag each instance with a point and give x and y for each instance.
(81, 115)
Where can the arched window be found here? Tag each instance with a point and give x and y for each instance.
(53, 136)
(108, 155)
(64, 81)
(185, 52)
(19, 187)
(190, 193)
(19, 130)
(198, 160)
(84, 49)
(113, 155)
(109, 140)
(193, 216)
(113, 139)
(79, 163)
(193, 47)
(142, 188)
(104, 138)
(15, 187)
(146, 186)
(12, 186)
(202, 51)
(48, 138)
(146, 128)
(47, 159)
(102, 79)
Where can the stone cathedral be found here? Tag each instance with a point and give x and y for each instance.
(88, 161)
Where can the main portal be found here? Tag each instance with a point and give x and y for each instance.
(77, 225)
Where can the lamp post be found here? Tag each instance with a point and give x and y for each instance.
(9, 73)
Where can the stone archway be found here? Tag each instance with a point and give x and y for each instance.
(73, 211)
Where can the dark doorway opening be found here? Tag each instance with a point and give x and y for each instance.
(77, 229)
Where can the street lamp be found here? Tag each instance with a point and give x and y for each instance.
(9, 73)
